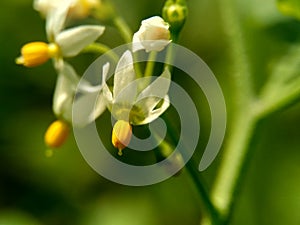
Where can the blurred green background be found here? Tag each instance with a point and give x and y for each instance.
(35, 190)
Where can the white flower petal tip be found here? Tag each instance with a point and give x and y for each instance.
(124, 74)
(74, 40)
(153, 35)
(56, 18)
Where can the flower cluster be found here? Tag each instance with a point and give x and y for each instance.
(131, 101)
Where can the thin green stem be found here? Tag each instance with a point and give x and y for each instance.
(266, 107)
(150, 64)
(197, 181)
(203, 192)
(123, 28)
(98, 48)
(127, 35)
(170, 53)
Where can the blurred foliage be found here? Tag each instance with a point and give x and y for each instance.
(65, 190)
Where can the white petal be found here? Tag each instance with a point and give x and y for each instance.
(63, 98)
(45, 6)
(86, 87)
(56, 19)
(106, 92)
(136, 43)
(155, 45)
(155, 21)
(74, 40)
(154, 114)
(87, 107)
(155, 92)
(124, 74)
(64, 91)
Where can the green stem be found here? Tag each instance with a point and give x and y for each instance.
(150, 64)
(230, 171)
(241, 74)
(199, 183)
(267, 106)
(170, 53)
(98, 48)
(244, 119)
(203, 192)
(123, 28)
(127, 35)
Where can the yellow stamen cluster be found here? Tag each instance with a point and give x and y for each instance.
(121, 135)
(57, 134)
(36, 53)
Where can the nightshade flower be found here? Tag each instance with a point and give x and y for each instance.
(64, 97)
(131, 103)
(77, 8)
(62, 43)
(63, 101)
(153, 35)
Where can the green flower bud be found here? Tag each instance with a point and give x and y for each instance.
(175, 13)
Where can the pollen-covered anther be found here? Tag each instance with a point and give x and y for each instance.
(56, 134)
(121, 135)
(36, 53)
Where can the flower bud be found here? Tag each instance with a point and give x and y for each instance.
(121, 135)
(36, 53)
(78, 9)
(153, 35)
(57, 134)
(82, 8)
(175, 13)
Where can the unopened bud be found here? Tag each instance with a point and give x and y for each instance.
(175, 13)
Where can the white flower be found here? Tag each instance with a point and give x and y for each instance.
(128, 102)
(62, 43)
(153, 35)
(77, 8)
(64, 99)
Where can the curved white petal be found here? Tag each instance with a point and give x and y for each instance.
(107, 95)
(124, 75)
(155, 45)
(87, 108)
(56, 19)
(86, 87)
(63, 98)
(155, 92)
(74, 40)
(65, 90)
(136, 43)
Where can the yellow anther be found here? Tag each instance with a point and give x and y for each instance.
(121, 135)
(57, 134)
(36, 53)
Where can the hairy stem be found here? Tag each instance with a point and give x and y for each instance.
(243, 120)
